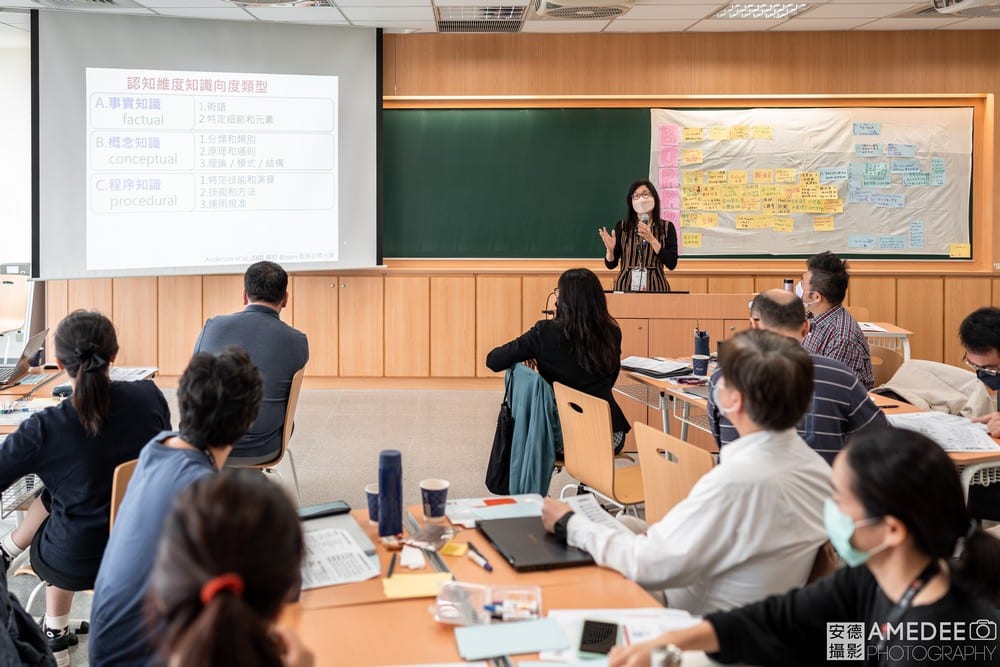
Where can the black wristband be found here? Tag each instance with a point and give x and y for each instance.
(559, 530)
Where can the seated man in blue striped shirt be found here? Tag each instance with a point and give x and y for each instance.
(840, 403)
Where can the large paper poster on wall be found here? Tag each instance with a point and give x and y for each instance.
(790, 181)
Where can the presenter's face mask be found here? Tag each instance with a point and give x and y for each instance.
(840, 529)
(642, 201)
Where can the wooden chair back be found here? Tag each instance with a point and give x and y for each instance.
(885, 363)
(119, 483)
(286, 434)
(586, 430)
(670, 469)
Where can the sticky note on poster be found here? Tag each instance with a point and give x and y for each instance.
(669, 156)
(716, 133)
(670, 177)
(738, 177)
(785, 225)
(691, 176)
(765, 132)
(867, 129)
(917, 234)
(669, 134)
(692, 156)
(901, 150)
(959, 250)
(862, 242)
(670, 198)
(831, 174)
(868, 150)
(906, 166)
(691, 239)
(890, 201)
(716, 176)
(892, 242)
(708, 219)
(923, 178)
(937, 171)
(763, 175)
(693, 133)
(689, 219)
(784, 175)
(823, 224)
(739, 132)
(826, 192)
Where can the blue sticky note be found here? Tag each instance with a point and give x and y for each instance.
(901, 150)
(937, 171)
(868, 150)
(831, 174)
(923, 178)
(861, 242)
(860, 196)
(906, 166)
(477, 642)
(917, 234)
(892, 243)
(867, 129)
(879, 181)
(890, 201)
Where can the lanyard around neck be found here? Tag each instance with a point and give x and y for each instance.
(899, 610)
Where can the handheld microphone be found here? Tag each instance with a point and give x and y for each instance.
(644, 219)
(549, 311)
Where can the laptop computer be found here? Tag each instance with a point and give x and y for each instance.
(525, 544)
(11, 374)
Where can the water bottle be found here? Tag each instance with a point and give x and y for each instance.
(788, 285)
(390, 493)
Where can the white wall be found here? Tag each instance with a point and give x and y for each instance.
(15, 146)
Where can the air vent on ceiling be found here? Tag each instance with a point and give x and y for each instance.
(582, 9)
(497, 18)
(283, 3)
(88, 4)
(968, 8)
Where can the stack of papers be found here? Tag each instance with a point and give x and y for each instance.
(333, 557)
(467, 511)
(656, 368)
(952, 432)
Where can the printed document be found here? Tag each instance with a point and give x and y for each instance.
(952, 432)
(333, 557)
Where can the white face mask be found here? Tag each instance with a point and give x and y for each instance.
(798, 289)
(643, 205)
(715, 399)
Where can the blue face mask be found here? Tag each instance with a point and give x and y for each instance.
(840, 529)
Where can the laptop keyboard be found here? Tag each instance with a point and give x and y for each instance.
(6, 374)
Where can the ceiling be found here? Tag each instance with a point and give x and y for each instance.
(405, 16)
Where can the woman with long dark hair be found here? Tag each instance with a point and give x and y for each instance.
(922, 577)
(580, 348)
(642, 242)
(74, 448)
(228, 560)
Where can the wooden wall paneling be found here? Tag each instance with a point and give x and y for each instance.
(498, 315)
(178, 321)
(221, 295)
(535, 291)
(134, 311)
(675, 338)
(316, 315)
(692, 284)
(56, 308)
(732, 327)
(453, 326)
(635, 337)
(731, 284)
(407, 326)
(996, 292)
(920, 308)
(90, 294)
(961, 297)
(877, 294)
(764, 283)
(361, 316)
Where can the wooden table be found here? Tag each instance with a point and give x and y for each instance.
(893, 337)
(355, 624)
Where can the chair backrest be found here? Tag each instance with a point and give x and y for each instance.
(586, 431)
(13, 302)
(827, 561)
(670, 468)
(119, 483)
(885, 363)
(859, 313)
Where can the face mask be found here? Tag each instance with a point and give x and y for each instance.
(840, 529)
(715, 399)
(643, 205)
(798, 290)
(990, 380)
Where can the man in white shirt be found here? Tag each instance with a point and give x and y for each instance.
(753, 525)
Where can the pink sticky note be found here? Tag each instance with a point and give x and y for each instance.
(669, 156)
(671, 216)
(669, 135)
(670, 177)
(670, 199)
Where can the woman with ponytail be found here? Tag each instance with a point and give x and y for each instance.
(74, 448)
(922, 582)
(228, 560)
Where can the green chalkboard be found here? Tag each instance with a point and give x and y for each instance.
(508, 183)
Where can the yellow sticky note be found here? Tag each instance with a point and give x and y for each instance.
(738, 177)
(746, 221)
(762, 132)
(763, 175)
(783, 225)
(784, 175)
(809, 191)
(827, 191)
(750, 203)
(711, 203)
(693, 134)
(422, 585)
(823, 224)
(718, 133)
(692, 156)
(708, 220)
(962, 250)
(690, 176)
(833, 206)
(690, 220)
(739, 132)
(454, 548)
(809, 178)
(716, 176)
(764, 222)
(689, 240)
(781, 206)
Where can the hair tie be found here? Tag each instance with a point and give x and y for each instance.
(229, 581)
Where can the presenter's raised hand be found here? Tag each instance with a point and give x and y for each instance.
(609, 240)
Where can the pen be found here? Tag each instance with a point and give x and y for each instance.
(889, 406)
(479, 560)
(392, 566)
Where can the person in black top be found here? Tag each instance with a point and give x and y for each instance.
(897, 516)
(74, 448)
(581, 347)
(642, 242)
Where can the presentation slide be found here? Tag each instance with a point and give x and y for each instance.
(210, 158)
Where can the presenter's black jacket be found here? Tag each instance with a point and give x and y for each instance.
(546, 344)
(793, 629)
(633, 253)
(77, 469)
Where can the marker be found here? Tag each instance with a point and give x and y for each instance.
(884, 407)
(479, 560)
(392, 566)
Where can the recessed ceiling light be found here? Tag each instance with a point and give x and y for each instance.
(770, 10)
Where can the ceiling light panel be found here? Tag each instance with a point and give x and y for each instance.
(761, 11)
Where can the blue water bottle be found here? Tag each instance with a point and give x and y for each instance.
(390, 493)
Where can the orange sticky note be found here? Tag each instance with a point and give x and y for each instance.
(823, 224)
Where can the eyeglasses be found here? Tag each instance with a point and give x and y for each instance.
(984, 369)
(641, 195)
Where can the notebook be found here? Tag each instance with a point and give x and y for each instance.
(12, 374)
(524, 543)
